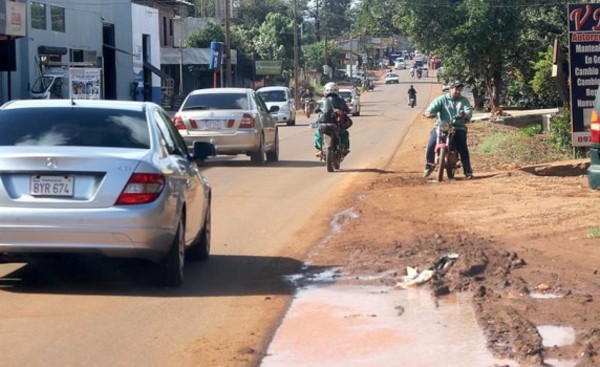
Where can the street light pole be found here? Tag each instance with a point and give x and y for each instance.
(227, 46)
(296, 97)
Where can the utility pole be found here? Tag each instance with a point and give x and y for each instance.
(296, 96)
(227, 45)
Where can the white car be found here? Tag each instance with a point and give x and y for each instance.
(235, 120)
(391, 78)
(352, 100)
(281, 97)
(399, 63)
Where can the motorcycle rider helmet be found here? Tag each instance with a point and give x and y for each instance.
(331, 88)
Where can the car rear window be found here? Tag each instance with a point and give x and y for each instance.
(86, 127)
(217, 101)
(273, 95)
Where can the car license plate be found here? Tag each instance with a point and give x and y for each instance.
(51, 185)
(212, 124)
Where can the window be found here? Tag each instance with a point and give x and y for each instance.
(57, 15)
(38, 16)
(68, 126)
(217, 101)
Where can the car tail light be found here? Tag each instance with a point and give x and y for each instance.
(178, 122)
(142, 188)
(247, 122)
(595, 127)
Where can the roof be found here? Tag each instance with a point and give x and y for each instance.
(103, 103)
(220, 90)
(275, 87)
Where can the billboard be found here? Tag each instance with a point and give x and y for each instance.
(268, 67)
(12, 18)
(584, 67)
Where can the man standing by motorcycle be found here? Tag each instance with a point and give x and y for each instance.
(326, 109)
(445, 108)
(412, 95)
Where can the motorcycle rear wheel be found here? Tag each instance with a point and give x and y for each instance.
(329, 159)
(442, 163)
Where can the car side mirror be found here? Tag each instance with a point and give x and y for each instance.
(202, 150)
(274, 109)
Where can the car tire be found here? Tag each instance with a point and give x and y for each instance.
(273, 155)
(200, 248)
(171, 268)
(258, 157)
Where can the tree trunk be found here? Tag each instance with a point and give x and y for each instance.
(493, 85)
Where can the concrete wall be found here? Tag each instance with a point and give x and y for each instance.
(145, 22)
(83, 30)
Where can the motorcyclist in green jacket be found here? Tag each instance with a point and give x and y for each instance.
(326, 108)
(445, 108)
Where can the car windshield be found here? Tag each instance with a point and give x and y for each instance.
(345, 94)
(272, 95)
(66, 126)
(216, 101)
(392, 75)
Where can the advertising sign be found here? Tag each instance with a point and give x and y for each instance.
(216, 55)
(85, 83)
(268, 67)
(12, 18)
(584, 51)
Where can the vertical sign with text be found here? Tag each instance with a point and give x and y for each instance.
(584, 51)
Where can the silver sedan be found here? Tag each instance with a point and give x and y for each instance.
(236, 120)
(102, 177)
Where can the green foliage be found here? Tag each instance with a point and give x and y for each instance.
(560, 130)
(520, 147)
(594, 232)
(531, 130)
(313, 54)
(543, 84)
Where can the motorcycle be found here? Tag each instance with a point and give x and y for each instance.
(446, 156)
(419, 73)
(332, 149)
(307, 106)
(412, 101)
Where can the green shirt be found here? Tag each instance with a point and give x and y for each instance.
(444, 107)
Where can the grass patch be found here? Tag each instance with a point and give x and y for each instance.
(499, 146)
(594, 232)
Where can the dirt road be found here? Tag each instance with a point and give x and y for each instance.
(525, 237)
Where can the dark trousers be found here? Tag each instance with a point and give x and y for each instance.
(460, 142)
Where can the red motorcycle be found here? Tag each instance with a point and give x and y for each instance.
(447, 158)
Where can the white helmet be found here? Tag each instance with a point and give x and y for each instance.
(331, 88)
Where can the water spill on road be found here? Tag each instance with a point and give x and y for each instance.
(544, 295)
(556, 335)
(349, 325)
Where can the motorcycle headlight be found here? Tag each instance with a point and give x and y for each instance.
(445, 126)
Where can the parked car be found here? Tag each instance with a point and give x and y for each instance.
(236, 120)
(352, 100)
(391, 78)
(281, 97)
(101, 177)
(593, 171)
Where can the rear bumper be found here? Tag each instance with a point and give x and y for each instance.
(240, 142)
(144, 233)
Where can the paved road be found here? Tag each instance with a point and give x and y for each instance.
(108, 314)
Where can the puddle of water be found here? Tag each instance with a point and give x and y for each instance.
(556, 335)
(544, 295)
(345, 326)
